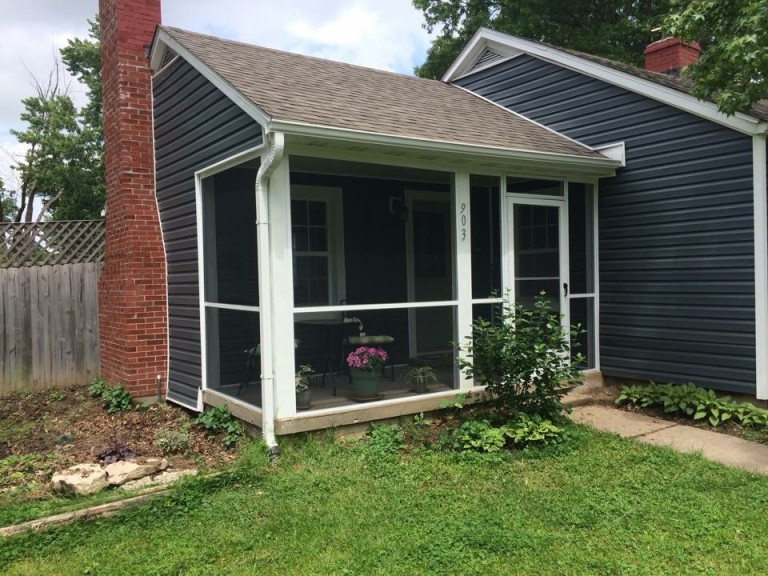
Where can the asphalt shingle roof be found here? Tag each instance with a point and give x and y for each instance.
(294, 88)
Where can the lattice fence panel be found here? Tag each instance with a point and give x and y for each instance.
(50, 243)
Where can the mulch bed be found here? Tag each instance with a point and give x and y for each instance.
(41, 432)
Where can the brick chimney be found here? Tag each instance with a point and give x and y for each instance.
(670, 55)
(133, 307)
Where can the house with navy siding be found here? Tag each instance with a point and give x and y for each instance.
(303, 207)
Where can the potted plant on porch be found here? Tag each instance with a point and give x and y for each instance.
(303, 391)
(365, 366)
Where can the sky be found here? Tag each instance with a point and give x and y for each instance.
(385, 34)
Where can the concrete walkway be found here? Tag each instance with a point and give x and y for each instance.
(714, 446)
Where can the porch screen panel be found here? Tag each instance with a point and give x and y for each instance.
(582, 300)
(486, 236)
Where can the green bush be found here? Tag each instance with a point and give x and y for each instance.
(172, 441)
(534, 431)
(219, 419)
(114, 399)
(523, 358)
(97, 388)
(697, 403)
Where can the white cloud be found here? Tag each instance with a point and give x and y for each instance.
(386, 35)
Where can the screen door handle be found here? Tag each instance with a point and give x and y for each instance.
(565, 289)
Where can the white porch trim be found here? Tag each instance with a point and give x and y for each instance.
(760, 206)
(496, 40)
(462, 249)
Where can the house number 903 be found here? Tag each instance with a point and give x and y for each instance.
(463, 221)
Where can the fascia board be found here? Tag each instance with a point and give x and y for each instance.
(602, 166)
(226, 88)
(708, 110)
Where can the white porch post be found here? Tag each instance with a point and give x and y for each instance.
(281, 278)
(463, 247)
(760, 205)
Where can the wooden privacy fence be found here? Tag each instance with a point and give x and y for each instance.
(49, 318)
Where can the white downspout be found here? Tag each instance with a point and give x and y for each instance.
(270, 161)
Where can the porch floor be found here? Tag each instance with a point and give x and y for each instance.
(323, 397)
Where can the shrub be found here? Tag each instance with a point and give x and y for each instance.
(219, 419)
(523, 358)
(114, 399)
(97, 388)
(172, 441)
(534, 431)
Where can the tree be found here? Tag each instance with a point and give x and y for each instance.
(733, 68)
(616, 29)
(7, 203)
(63, 165)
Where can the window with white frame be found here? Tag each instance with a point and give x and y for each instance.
(316, 237)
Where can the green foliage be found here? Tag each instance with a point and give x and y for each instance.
(697, 403)
(733, 67)
(302, 377)
(523, 358)
(614, 29)
(476, 436)
(97, 388)
(172, 441)
(114, 398)
(534, 431)
(219, 419)
(63, 165)
(483, 436)
(384, 439)
(420, 377)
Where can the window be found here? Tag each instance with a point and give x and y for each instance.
(317, 246)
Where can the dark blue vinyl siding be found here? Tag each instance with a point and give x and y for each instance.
(195, 126)
(676, 242)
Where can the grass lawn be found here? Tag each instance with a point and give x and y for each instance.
(601, 505)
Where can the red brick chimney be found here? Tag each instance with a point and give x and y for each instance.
(670, 55)
(133, 307)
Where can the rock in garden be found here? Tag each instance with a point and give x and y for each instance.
(80, 479)
(121, 472)
(160, 478)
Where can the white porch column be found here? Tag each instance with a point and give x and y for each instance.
(281, 279)
(760, 205)
(463, 274)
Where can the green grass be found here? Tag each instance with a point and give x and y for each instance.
(601, 505)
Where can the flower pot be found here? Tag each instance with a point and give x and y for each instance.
(304, 399)
(365, 384)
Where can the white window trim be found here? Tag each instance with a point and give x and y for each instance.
(337, 270)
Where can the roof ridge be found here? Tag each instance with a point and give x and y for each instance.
(173, 29)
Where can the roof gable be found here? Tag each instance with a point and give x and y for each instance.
(285, 89)
(673, 91)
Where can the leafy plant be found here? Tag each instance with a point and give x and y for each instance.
(97, 388)
(384, 439)
(114, 399)
(697, 403)
(420, 376)
(219, 419)
(523, 358)
(172, 441)
(534, 430)
(483, 436)
(302, 378)
(476, 436)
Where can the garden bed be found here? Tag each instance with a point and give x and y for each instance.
(42, 432)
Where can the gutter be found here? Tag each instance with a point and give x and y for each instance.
(271, 159)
